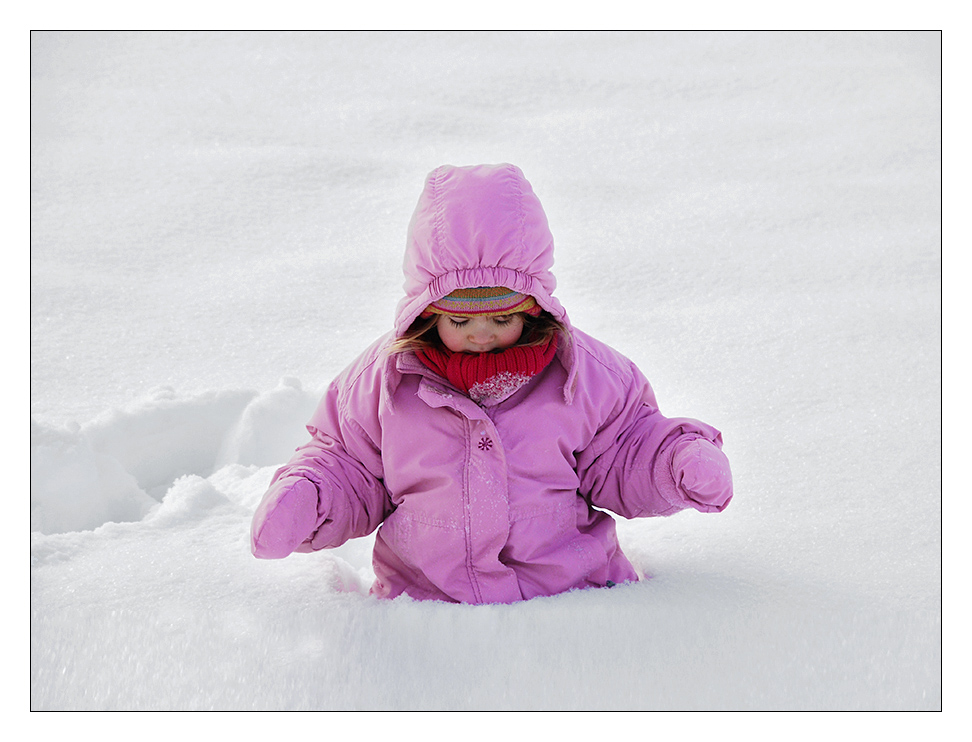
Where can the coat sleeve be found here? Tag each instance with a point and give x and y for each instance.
(332, 489)
(641, 463)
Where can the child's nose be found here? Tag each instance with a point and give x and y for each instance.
(481, 334)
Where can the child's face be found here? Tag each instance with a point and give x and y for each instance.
(479, 334)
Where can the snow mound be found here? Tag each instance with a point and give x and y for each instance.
(270, 427)
(75, 487)
(125, 462)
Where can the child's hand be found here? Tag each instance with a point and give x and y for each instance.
(285, 518)
(702, 472)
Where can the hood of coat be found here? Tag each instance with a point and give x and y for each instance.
(479, 225)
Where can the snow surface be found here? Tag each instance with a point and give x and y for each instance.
(216, 230)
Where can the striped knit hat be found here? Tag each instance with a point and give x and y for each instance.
(483, 301)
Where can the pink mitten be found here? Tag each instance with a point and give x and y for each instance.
(285, 518)
(702, 472)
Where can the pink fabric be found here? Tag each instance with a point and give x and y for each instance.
(287, 514)
(701, 471)
(506, 500)
(477, 226)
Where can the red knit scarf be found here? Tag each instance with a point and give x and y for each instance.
(493, 375)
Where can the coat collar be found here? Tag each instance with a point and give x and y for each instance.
(400, 364)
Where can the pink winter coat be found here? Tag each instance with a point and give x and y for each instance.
(498, 502)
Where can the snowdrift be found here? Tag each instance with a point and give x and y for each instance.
(216, 231)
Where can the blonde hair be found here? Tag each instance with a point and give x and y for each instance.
(422, 333)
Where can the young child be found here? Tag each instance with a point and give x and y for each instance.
(485, 435)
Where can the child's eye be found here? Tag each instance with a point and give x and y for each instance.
(503, 320)
(457, 323)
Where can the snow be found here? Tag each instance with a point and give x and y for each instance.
(217, 223)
